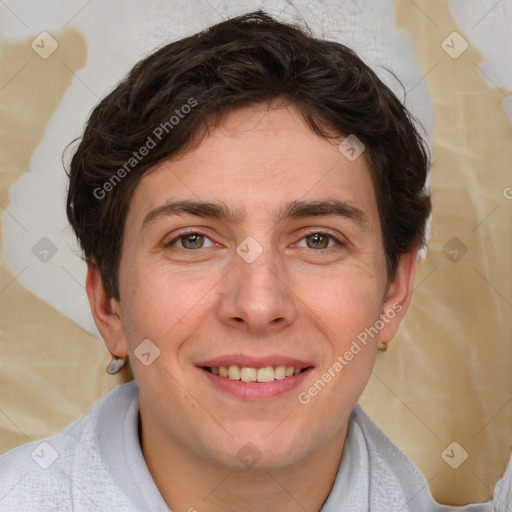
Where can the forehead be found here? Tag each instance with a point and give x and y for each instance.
(256, 158)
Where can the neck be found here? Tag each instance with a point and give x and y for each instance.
(190, 483)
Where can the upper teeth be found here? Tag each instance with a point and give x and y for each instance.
(248, 374)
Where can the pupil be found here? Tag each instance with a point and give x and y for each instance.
(318, 241)
(193, 241)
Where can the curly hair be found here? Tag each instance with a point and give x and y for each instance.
(164, 103)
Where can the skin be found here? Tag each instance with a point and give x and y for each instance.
(296, 299)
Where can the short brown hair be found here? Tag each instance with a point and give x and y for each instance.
(242, 61)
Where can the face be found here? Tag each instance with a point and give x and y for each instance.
(283, 268)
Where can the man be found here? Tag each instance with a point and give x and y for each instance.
(250, 202)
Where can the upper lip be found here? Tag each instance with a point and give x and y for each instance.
(254, 361)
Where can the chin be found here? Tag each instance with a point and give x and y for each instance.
(261, 451)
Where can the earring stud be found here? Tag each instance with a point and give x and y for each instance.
(116, 364)
(382, 346)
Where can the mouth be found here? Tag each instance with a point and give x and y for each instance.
(255, 378)
(254, 374)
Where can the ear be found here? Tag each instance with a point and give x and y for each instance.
(106, 312)
(398, 296)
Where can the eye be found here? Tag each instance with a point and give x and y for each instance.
(190, 241)
(319, 240)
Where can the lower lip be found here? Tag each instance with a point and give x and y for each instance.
(255, 390)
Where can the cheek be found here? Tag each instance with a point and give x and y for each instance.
(346, 302)
(157, 302)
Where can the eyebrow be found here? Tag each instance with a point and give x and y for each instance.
(291, 210)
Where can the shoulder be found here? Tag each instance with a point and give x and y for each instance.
(46, 474)
(30, 477)
(396, 482)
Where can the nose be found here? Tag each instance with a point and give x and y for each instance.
(254, 297)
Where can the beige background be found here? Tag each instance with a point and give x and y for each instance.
(446, 377)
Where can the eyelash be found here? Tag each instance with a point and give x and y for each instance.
(305, 235)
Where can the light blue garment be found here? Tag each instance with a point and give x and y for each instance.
(376, 476)
(97, 464)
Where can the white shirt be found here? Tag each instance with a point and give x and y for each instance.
(96, 463)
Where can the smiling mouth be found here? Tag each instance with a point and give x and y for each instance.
(251, 374)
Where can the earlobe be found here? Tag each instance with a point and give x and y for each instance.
(106, 312)
(398, 296)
